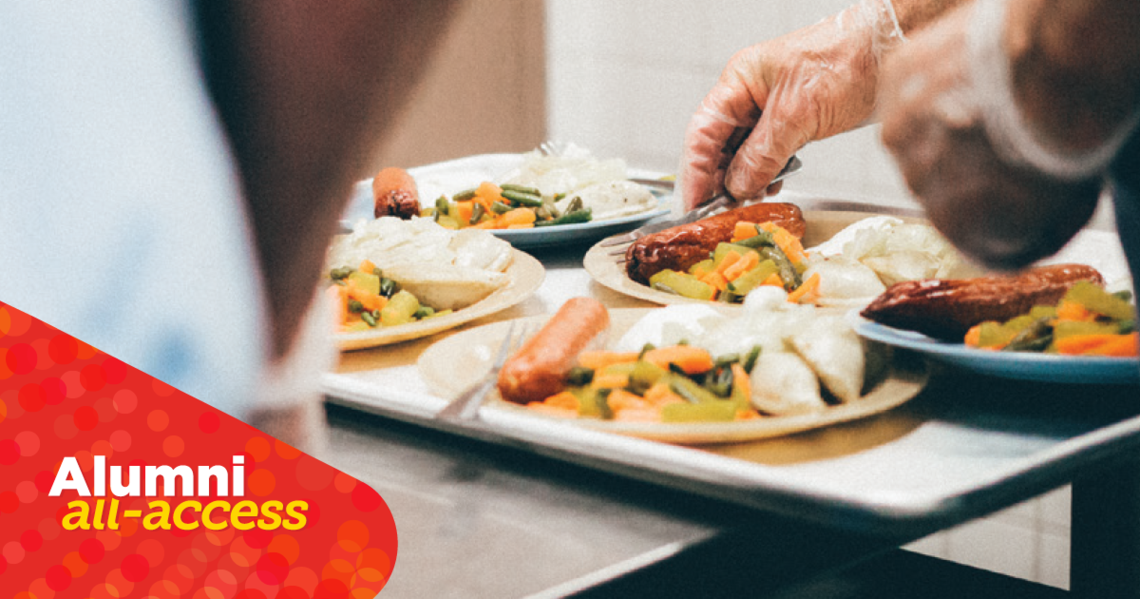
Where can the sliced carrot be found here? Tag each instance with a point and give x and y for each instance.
(748, 414)
(1073, 311)
(810, 286)
(489, 190)
(739, 377)
(715, 280)
(1099, 344)
(699, 272)
(790, 244)
(518, 216)
(564, 399)
(1124, 346)
(729, 259)
(741, 266)
(692, 360)
(743, 230)
(599, 359)
(367, 266)
(463, 212)
(660, 394)
(638, 415)
(774, 280)
(370, 301)
(620, 399)
(974, 336)
(610, 381)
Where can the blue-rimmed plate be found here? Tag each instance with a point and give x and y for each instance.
(1026, 366)
(464, 173)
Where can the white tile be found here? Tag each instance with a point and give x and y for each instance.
(1053, 561)
(1056, 510)
(995, 546)
(935, 545)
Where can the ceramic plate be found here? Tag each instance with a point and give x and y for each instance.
(525, 275)
(452, 364)
(609, 270)
(1012, 365)
(463, 173)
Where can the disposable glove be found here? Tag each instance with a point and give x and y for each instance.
(778, 95)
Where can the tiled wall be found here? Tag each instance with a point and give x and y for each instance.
(623, 79)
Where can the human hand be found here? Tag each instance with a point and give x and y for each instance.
(776, 96)
(1001, 214)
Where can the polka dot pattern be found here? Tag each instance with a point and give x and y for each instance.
(71, 400)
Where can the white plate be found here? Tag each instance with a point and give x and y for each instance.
(452, 364)
(606, 270)
(1027, 366)
(464, 173)
(524, 276)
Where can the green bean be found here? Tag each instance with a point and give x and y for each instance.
(726, 360)
(761, 239)
(1127, 326)
(1034, 337)
(575, 204)
(750, 359)
(521, 189)
(368, 318)
(337, 274)
(464, 195)
(602, 399)
(424, 312)
(388, 287)
(355, 306)
(523, 199)
(648, 347)
(500, 208)
(570, 218)
(788, 273)
(477, 213)
(541, 213)
(579, 376)
(442, 206)
(691, 391)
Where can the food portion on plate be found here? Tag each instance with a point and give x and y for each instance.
(391, 271)
(571, 188)
(1056, 309)
(690, 363)
(724, 257)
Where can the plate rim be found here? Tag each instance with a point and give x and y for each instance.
(526, 274)
(912, 380)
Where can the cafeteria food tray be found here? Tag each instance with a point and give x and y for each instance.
(966, 445)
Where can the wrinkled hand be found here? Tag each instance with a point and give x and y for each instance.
(1001, 215)
(780, 94)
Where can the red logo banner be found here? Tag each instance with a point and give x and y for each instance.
(114, 485)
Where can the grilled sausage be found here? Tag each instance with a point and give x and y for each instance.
(540, 367)
(947, 308)
(682, 246)
(395, 194)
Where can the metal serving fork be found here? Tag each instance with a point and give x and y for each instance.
(718, 202)
(465, 407)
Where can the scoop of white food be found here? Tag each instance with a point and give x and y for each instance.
(835, 352)
(611, 199)
(845, 282)
(783, 384)
(668, 325)
(835, 245)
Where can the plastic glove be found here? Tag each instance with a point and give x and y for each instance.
(1002, 215)
(778, 95)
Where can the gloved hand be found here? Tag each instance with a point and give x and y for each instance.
(1001, 211)
(778, 95)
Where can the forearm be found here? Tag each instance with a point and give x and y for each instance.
(1075, 67)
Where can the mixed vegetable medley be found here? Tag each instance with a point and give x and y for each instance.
(366, 299)
(758, 254)
(678, 383)
(1087, 321)
(510, 206)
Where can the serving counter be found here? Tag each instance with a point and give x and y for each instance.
(506, 509)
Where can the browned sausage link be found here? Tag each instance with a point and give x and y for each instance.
(947, 308)
(540, 368)
(395, 194)
(680, 247)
